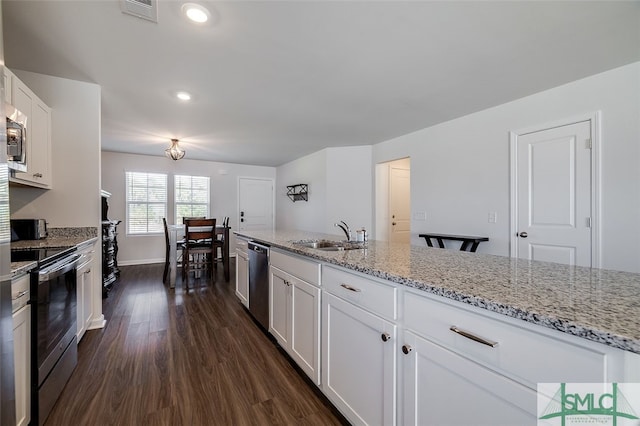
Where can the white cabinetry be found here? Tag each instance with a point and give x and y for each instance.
(294, 309)
(22, 353)
(359, 347)
(7, 77)
(444, 388)
(38, 134)
(85, 290)
(462, 365)
(242, 271)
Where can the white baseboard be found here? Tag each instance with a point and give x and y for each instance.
(150, 261)
(139, 262)
(97, 323)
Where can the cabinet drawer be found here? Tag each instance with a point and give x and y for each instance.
(372, 295)
(241, 244)
(304, 269)
(520, 352)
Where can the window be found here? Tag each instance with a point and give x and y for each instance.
(192, 196)
(146, 202)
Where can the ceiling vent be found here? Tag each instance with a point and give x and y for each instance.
(145, 9)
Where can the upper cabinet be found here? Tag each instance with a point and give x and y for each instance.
(38, 114)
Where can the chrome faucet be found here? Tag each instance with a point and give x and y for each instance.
(345, 228)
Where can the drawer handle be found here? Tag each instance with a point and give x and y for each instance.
(21, 294)
(473, 337)
(348, 287)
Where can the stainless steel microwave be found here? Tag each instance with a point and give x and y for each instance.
(16, 139)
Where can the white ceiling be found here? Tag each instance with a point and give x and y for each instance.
(274, 80)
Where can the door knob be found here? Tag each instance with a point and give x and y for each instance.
(406, 349)
(385, 337)
(393, 223)
(523, 235)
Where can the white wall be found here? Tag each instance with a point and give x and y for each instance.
(303, 215)
(460, 169)
(224, 195)
(340, 188)
(349, 188)
(74, 200)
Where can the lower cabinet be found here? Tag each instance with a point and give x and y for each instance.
(358, 362)
(394, 355)
(242, 276)
(444, 388)
(22, 365)
(85, 287)
(294, 319)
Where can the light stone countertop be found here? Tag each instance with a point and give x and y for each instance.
(58, 238)
(595, 304)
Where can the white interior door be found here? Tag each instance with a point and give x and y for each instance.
(554, 195)
(255, 204)
(400, 201)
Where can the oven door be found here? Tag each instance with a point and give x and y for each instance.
(53, 312)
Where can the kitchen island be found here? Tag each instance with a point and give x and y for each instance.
(400, 334)
(595, 304)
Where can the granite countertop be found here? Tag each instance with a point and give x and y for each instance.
(57, 238)
(595, 304)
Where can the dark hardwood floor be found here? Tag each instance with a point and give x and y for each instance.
(170, 357)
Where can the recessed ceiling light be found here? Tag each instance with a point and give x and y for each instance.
(183, 96)
(196, 13)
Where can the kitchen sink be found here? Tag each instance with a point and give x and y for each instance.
(328, 245)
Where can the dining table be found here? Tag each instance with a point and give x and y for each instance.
(175, 231)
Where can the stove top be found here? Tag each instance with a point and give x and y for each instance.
(40, 255)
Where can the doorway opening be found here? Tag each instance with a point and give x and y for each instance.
(393, 201)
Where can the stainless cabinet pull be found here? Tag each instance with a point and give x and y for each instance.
(348, 287)
(406, 349)
(473, 337)
(385, 337)
(19, 295)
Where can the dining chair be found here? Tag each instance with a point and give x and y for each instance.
(167, 250)
(219, 244)
(198, 249)
(192, 217)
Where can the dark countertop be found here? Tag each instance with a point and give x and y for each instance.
(595, 304)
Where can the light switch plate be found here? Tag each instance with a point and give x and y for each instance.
(421, 216)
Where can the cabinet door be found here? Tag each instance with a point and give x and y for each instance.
(7, 76)
(443, 388)
(305, 327)
(242, 278)
(22, 363)
(38, 135)
(85, 276)
(279, 306)
(358, 362)
(40, 160)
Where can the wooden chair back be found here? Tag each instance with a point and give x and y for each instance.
(184, 219)
(199, 230)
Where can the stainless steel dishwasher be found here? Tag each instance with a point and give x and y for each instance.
(259, 282)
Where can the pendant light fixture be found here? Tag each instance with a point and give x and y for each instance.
(174, 151)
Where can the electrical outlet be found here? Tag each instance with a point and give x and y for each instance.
(493, 217)
(421, 216)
